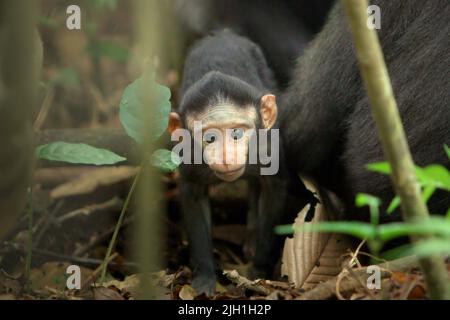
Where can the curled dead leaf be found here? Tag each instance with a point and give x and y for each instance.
(187, 293)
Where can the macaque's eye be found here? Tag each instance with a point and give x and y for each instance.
(237, 134)
(209, 137)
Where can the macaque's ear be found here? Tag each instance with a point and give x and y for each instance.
(174, 122)
(268, 110)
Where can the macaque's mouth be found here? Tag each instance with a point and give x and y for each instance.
(230, 175)
(229, 172)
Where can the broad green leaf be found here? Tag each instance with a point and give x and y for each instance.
(165, 160)
(78, 153)
(356, 229)
(436, 175)
(132, 115)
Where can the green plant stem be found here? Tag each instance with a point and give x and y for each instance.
(113, 240)
(393, 139)
(30, 214)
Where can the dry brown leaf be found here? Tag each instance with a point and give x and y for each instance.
(88, 183)
(312, 257)
(53, 275)
(9, 284)
(128, 285)
(187, 293)
(102, 293)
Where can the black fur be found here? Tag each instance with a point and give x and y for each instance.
(325, 116)
(282, 28)
(236, 68)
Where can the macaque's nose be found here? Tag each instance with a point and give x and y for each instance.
(227, 159)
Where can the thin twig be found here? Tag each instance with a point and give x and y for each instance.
(243, 282)
(112, 243)
(29, 241)
(45, 108)
(327, 289)
(98, 239)
(95, 273)
(45, 222)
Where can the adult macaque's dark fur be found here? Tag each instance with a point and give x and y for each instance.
(282, 28)
(326, 122)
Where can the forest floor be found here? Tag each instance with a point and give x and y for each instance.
(74, 224)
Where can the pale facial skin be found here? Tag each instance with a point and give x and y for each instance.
(225, 134)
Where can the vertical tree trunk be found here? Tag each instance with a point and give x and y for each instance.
(149, 17)
(393, 139)
(20, 60)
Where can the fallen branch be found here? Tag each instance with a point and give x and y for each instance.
(243, 282)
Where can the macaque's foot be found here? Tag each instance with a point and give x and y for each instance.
(205, 284)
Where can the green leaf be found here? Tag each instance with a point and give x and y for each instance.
(433, 226)
(79, 153)
(437, 176)
(165, 160)
(427, 193)
(109, 49)
(363, 199)
(380, 167)
(423, 248)
(433, 175)
(356, 229)
(394, 204)
(132, 113)
(447, 150)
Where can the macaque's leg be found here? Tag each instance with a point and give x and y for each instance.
(252, 219)
(271, 212)
(197, 216)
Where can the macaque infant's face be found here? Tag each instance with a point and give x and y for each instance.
(224, 131)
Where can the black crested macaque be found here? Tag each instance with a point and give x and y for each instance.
(282, 28)
(228, 88)
(325, 116)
